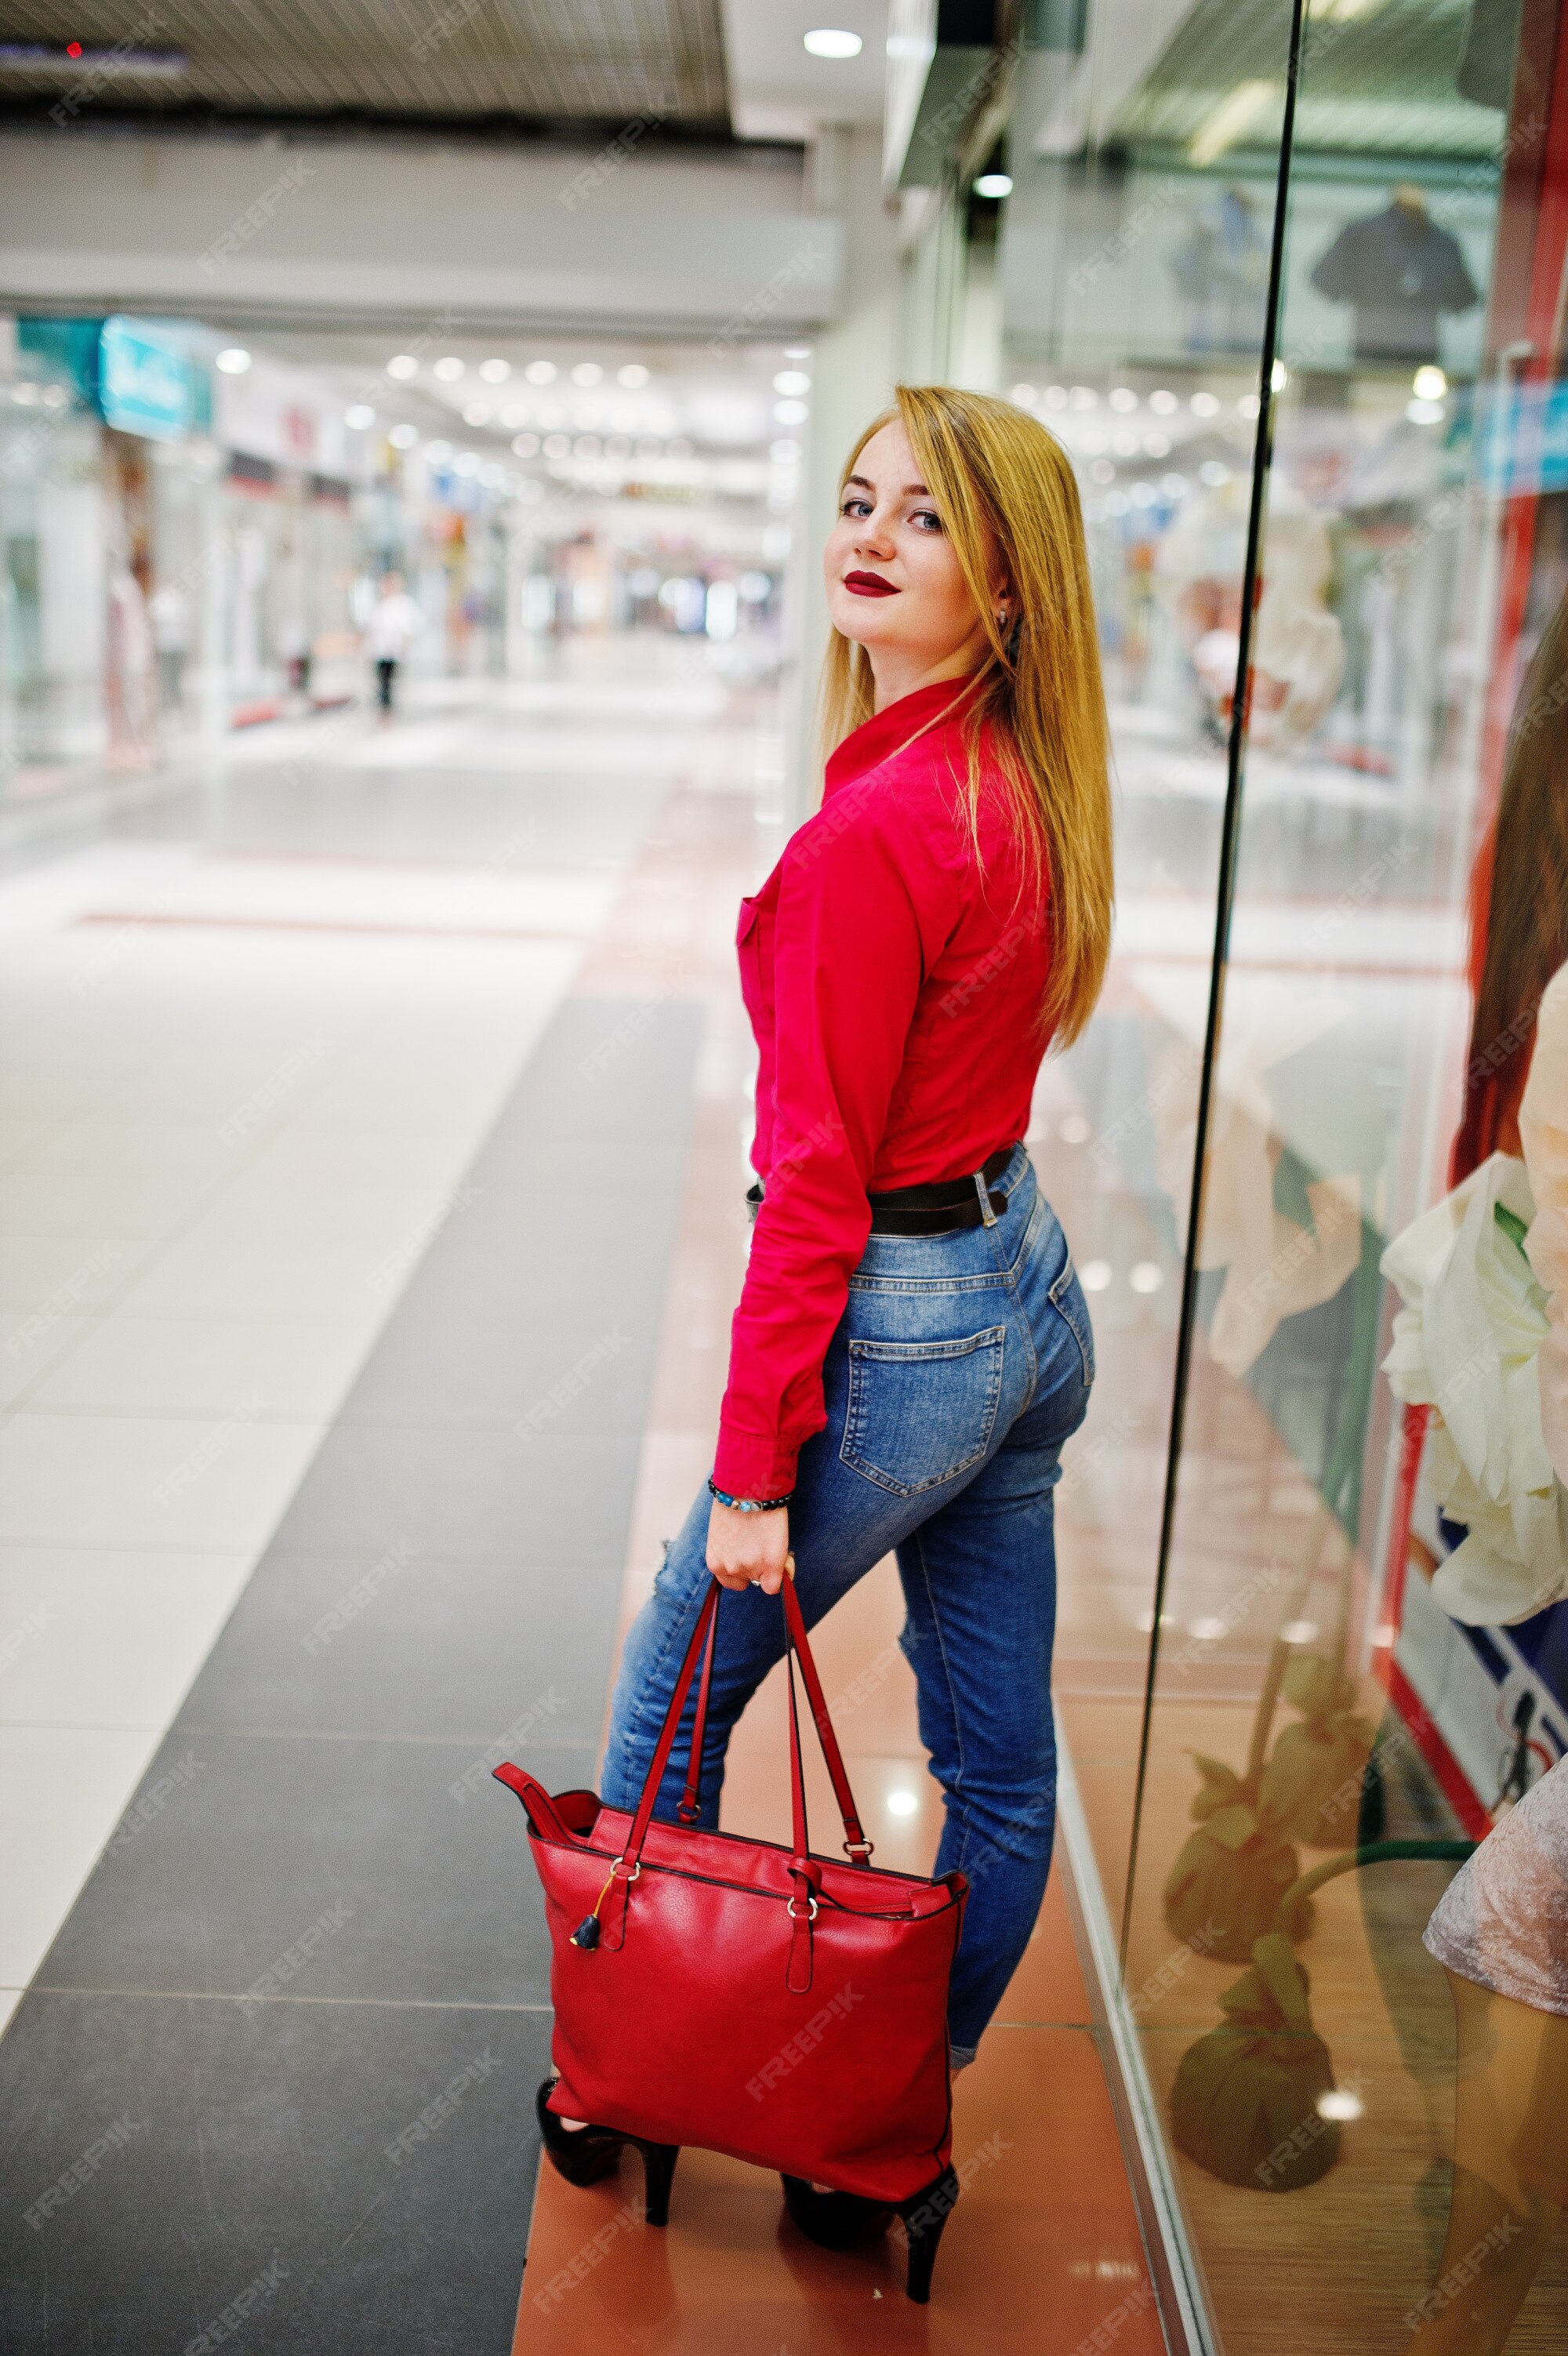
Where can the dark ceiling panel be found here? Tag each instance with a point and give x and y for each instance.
(532, 61)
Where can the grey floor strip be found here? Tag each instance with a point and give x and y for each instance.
(338, 2155)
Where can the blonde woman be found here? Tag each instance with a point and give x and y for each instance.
(911, 1348)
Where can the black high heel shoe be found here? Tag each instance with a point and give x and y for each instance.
(584, 2155)
(843, 2221)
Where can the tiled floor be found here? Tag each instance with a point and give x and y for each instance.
(275, 1309)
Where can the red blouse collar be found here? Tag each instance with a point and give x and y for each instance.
(876, 738)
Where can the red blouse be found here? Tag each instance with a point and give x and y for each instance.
(893, 990)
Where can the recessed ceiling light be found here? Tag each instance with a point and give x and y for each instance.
(792, 380)
(902, 1804)
(993, 184)
(402, 366)
(587, 372)
(234, 361)
(467, 461)
(403, 437)
(540, 371)
(494, 371)
(797, 351)
(448, 370)
(360, 416)
(790, 413)
(526, 445)
(439, 453)
(632, 374)
(827, 43)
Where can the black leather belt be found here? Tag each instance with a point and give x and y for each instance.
(941, 1210)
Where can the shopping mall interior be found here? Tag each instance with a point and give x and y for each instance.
(419, 426)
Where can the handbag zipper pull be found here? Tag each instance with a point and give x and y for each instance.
(586, 1935)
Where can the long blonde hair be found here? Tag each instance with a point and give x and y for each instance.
(1006, 493)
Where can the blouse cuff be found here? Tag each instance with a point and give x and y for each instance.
(754, 1463)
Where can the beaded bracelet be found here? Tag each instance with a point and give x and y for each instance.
(748, 1505)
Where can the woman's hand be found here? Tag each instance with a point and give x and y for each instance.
(748, 1549)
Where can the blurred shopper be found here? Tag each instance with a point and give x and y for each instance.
(395, 622)
(168, 610)
(911, 1348)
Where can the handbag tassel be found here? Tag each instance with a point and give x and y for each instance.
(586, 1935)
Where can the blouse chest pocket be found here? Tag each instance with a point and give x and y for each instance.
(921, 1412)
(756, 970)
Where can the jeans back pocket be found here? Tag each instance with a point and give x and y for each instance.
(921, 1412)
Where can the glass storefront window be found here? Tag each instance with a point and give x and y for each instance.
(1288, 284)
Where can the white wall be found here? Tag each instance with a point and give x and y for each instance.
(348, 228)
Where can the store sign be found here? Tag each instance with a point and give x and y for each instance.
(145, 384)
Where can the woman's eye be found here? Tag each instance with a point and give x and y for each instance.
(927, 518)
(855, 507)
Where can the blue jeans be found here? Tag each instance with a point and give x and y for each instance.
(962, 1364)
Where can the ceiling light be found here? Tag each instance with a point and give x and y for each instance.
(540, 371)
(902, 1804)
(403, 437)
(1124, 399)
(618, 446)
(494, 371)
(526, 445)
(478, 412)
(1424, 412)
(790, 413)
(467, 462)
(587, 372)
(1205, 404)
(557, 445)
(1298, 1631)
(587, 446)
(632, 374)
(1236, 113)
(1094, 1275)
(1429, 384)
(1163, 404)
(826, 43)
(491, 474)
(1146, 1276)
(784, 453)
(439, 453)
(1025, 395)
(1248, 405)
(792, 380)
(402, 366)
(358, 417)
(677, 446)
(234, 361)
(448, 371)
(993, 184)
(797, 351)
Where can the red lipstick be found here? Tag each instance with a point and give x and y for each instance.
(869, 584)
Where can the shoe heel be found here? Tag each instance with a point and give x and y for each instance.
(924, 2218)
(657, 2175)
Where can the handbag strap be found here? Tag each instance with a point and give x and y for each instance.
(797, 1647)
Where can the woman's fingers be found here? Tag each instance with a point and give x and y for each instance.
(748, 1549)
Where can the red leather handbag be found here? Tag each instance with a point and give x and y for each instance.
(729, 1993)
